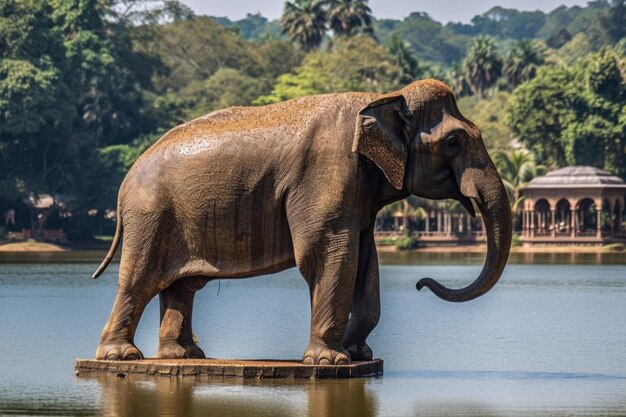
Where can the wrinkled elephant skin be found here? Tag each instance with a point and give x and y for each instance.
(248, 191)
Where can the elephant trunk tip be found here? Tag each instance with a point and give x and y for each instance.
(422, 283)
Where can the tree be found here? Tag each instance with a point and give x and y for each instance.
(482, 65)
(574, 115)
(354, 64)
(227, 87)
(305, 21)
(504, 23)
(430, 40)
(36, 104)
(516, 167)
(522, 62)
(613, 22)
(489, 115)
(349, 17)
(404, 58)
(539, 111)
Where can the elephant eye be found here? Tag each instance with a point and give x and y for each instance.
(451, 145)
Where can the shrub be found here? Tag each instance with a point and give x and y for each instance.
(406, 243)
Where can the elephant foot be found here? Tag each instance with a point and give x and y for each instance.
(359, 352)
(317, 354)
(118, 352)
(175, 350)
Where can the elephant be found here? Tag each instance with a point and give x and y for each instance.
(248, 191)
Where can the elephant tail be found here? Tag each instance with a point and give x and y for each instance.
(116, 242)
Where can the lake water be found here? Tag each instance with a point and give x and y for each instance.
(549, 339)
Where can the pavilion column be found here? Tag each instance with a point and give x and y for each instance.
(428, 221)
(599, 221)
(524, 221)
(612, 218)
(620, 219)
(553, 222)
(532, 223)
(572, 223)
(439, 220)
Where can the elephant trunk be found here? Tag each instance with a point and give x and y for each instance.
(488, 191)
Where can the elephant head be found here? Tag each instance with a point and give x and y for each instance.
(424, 146)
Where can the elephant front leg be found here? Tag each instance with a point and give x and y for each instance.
(365, 311)
(175, 334)
(331, 279)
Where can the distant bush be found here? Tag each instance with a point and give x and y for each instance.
(406, 243)
(386, 241)
(615, 247)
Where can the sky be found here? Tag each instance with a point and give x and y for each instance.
(441, 10)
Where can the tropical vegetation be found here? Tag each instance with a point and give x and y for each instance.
(87, 85)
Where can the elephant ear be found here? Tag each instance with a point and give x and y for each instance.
(379, 136)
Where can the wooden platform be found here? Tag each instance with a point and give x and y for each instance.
(280, 369)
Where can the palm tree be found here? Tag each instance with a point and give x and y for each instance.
(305, 21)
(348, 17)
(405, 59)
(482, 65)
(521, 63)
(517, 168)
(407, 209)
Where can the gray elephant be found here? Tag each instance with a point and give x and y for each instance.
(249, 191)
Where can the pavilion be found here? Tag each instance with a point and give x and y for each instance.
(578, 204)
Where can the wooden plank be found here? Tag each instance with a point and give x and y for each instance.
(231, 368)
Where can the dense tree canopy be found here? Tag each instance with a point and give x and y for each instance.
(575, 115)
(87, 85)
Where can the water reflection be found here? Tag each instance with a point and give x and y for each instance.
(138, 395)
(547, 340)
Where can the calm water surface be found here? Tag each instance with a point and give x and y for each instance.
(549, 339)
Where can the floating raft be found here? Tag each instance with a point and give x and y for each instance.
(278, 369)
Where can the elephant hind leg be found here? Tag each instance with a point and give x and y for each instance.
(175, 334)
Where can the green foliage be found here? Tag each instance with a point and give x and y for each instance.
(572, 20)
(522, 62)
(406, 243)
(354, 64)
(489, 115)
(305, 21)
(253, 27)
(404, 59)
(574, 115)
(195, 49)
(87, 85)
(384, 28)
(504, 23)
(349, 17)
(482, 65)
(227, 87)
(430, 40)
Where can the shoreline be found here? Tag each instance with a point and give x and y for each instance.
(34, 247)
(515, 249)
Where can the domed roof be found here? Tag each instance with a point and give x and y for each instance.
(576, 176)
